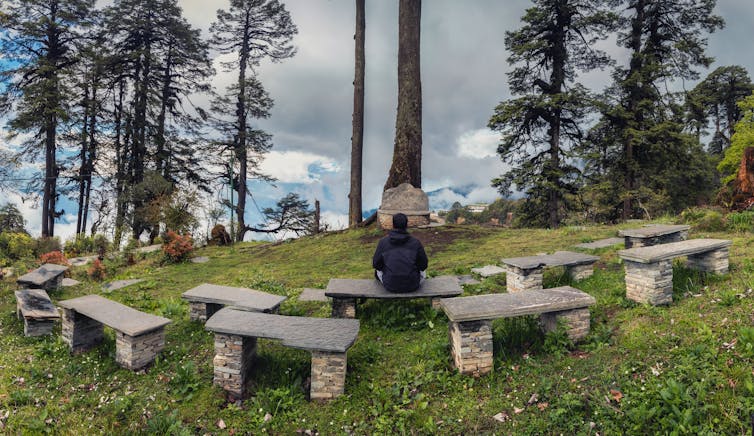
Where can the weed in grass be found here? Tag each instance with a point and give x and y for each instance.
(164, 424)
(172, 308)
(186, 381)
(557, 342)
(746, 341)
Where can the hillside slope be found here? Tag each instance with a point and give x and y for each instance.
(686, 367)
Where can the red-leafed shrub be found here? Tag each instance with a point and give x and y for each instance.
(97, 270)
(55, 257)
(177, 247)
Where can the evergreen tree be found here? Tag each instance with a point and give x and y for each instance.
(715, 100)
(407, 152)
(38, 45)
(541, 127)
(11, 219)
(641, 129)
(742, 138)
(357, 136)
(252, 30)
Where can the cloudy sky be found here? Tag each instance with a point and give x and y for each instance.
(464, 68)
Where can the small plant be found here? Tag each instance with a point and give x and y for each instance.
(55, 257)
(741, 221)
(177, 247)
(166, 425)
(97, 270)
(186, 381)
(746, 341)
(171, 308)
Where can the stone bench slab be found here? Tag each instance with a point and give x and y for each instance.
(559, 258)
(493, 306)
(242, 298)
(321, 334)
(444, 286)
(36, 304)
(653, 231)
(488, 270)
(42, 275)
(122, 318)
(657, 253)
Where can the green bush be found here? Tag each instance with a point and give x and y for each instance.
(741, 221)
(46, 245)
(704, 219)
(16, 246)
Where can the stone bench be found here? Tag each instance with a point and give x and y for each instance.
(525, 273)
(654, 234)
(470, 320)
(139, 336)
(206, 299)
(236, 333)
(48, 277)
(37, 311)
(344, 292)
(649, 270)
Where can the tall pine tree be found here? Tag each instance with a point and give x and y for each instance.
(541, 127)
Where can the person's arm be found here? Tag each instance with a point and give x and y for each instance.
(377, 262)
(421, 258)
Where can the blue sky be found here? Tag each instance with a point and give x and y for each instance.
(463, 78)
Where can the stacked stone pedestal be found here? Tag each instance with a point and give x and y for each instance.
(80, 332)
(344, 308)
(37, 327)
(232, 362)
(712, 261)
(649, 282)
(471, 346)
(576, 322)
(580, 272)
(520, 279)
(328, 375)
(136, 352)
(199, 311)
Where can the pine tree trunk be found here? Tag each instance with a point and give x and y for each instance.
(634, 96)
(241, 139)
(407, 152)
(357, 136)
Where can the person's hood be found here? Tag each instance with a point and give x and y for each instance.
(399, 236)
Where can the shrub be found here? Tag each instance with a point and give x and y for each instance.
(79, 245)
(55, 257)
(100, 245)
(97, 270)
(46, 245)
(16, 246)
(741, 221)
(704, 219)
(177, 247)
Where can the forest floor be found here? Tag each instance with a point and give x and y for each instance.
(684, 368)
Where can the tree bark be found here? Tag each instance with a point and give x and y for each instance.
(634, 96)
(407, 152)
(357, 136)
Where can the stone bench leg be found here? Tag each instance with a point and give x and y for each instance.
(38, 327)
(471, 346)
(80, 332)
(518, 279)
(631, 242)
(436, 303)
(649, 283)
(344, 308)
(232, 362)
(202, 311)
(135, 352)
(576, 322)
(712, 261)
(328, 375)
(580, 272)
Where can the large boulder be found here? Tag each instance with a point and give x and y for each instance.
(406, 199)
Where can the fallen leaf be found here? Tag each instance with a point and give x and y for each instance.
(221, 424)
(732, 383)
(501, 417)
(617, 395)
(533, 399)
(542, 406)
(516, 410)
(267, 417)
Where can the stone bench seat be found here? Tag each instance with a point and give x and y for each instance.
(37, 311)
(649, 270)
(206, 299)
(139, 336)
(345, 292)
(236, 332)
(470, 320)
(654, 234)
(48, 277)
(526, 273)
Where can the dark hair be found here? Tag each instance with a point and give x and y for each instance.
(400, 221)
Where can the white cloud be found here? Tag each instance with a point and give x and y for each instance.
(297, 166)
(477, 144)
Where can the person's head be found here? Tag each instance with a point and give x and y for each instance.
(400, 221)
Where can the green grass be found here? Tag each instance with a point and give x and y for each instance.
(684, 368)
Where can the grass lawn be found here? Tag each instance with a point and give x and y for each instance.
(684, 368)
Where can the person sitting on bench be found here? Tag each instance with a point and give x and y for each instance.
(400, 262)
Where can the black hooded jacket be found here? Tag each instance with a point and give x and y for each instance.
(400, 257)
